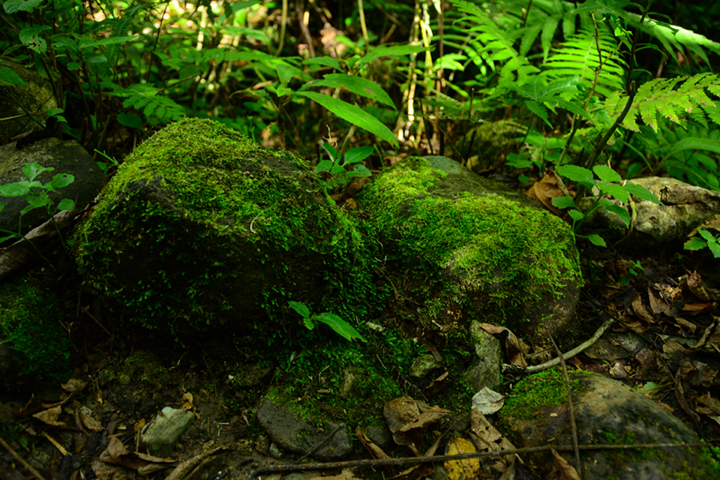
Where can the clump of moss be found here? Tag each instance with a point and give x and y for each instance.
(201, 227)
(30, 325)
(543, 389)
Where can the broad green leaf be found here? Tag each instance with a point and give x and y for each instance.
(615, 190)
(14, 190)
(596, 239)
(324, 166)
(14, 6)
(62, 180)
(695, 243)
(66, 204)
(693, 143)
(352, 114)
(564, 202)
(357, 85)
(395, 51)
(621, 212)
(606, 174)
(300, 308)
(32, 170)
(108, 41)
(323, 62)
(576, 215)
(340, 326)
(286, 72)
(706, 235)
(309, 323)
(358, 154)
(8, 75)
(30, 37)
(577, 174)
(641, 192)
(519, 160)
(360, 171)
(130, 120)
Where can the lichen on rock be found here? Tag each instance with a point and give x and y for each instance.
(202, 226)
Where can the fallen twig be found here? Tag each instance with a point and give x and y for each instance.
(35, 473)
(444, 458)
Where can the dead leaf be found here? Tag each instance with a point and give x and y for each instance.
(710, 339)
(684, 324)
(641, 311)
(697, 308)
(567, 471)
(658, 306)
(488, 401)
(549, 187)
(375, 451)
(488, 439)
(700, 290)
(51, 416)
(466, 469)
(74, 385)
(515, 349)
(89, 421)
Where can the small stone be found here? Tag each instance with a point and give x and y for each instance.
(423, 365)
(161, 436)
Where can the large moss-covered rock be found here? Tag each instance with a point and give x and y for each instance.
(474, 249)
(201, 225)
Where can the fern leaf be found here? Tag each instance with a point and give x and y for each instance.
(672, 99)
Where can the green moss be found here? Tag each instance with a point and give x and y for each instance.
(30, 324)
(222, 229)
(501, 252)
(545, 389)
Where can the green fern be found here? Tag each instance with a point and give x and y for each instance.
(675, 99)
(579, 57)
(146, 98)
(496, 44)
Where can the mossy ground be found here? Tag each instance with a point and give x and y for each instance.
(30, 323)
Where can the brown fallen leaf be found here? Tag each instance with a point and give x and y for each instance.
(641, 311)
(51, 416)
(549, 187)
(488, 439)
(461, 469)
(567, 471)
(514, 347)
(375, 451)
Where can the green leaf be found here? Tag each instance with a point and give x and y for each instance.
(695, 243)
(32, 170)
(642, 193)
(360, 171)
(286, 72)
(577, 174)
(324, 166)
(596, 239)
(66, 204)
(309, 323)
(14, 6)
(615, 190)
(355, 115)
(14, 190)
(619, 211)
(323, 62)
(130, 120)
(357, 85)
(576, 215)
(300, 308)
(30, 37)
(8, 75)
(606, 174)
(62, 180)
(340, 326)
(358, 154)
(564, 202)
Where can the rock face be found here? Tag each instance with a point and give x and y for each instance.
(684, 208)
(295, 435)
(202, 226)
(606, 412)
(65, 157)
(474, 249)
(36, 96)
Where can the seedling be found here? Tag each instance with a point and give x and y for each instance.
(340, 326)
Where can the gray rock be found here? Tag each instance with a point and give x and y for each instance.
(487, 372)
(606, 412)
(298, 436)
(475, 248)
(380, 436)
(37, 96)
(65, 157)
(684, 208)
(423, 365)
(161, 436)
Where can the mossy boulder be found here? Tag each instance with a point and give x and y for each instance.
(34, 346)
(202, 226)
(468, 248)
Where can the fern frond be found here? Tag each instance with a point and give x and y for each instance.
(579, 57)
(673, 99)
(497, 43)
(155, 107)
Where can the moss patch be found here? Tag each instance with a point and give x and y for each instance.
(483, 251)
(30, 324)
(202, 226)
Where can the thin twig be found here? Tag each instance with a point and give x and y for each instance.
(571, 411)
(312, 450)
(35, 473)
(463, 456)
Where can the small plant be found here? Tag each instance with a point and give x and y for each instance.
(36, 194)
(632, 272)
(707, 240)
(608, 183)
(340, 326)
(338, 164)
